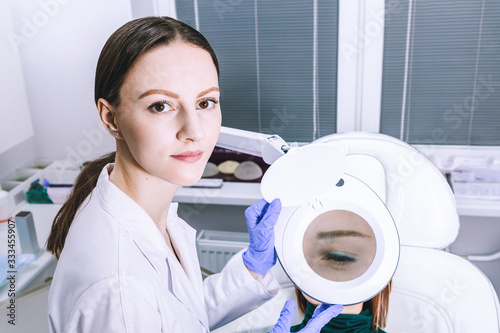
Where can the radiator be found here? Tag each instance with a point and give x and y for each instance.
(215, 248)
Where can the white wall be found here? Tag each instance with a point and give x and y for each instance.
(17, 156)
(15, 119)
(59, 42)
(141, 8)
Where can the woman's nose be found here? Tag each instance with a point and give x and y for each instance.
(191, 127)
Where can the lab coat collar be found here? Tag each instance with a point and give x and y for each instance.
(186, 296)
(183, 239)
(148, 238)
(134, 219)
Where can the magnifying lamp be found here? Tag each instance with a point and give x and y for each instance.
(335, 238)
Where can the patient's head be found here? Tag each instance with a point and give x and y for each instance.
(340, 245)
(379, 305)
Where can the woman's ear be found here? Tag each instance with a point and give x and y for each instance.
(108, 117)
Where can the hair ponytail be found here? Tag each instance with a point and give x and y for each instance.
(84, 184)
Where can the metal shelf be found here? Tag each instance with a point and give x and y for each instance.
(231, 193)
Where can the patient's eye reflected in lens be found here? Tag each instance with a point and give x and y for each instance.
(339, 245)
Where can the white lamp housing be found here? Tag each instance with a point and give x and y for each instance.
(269, 147)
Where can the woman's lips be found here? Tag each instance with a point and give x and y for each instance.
(189, 156)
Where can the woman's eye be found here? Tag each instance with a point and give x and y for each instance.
(160, 107)
(339, 257)
(207, 104)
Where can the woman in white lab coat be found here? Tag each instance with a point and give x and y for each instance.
(127, 262)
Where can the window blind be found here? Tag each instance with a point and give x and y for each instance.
(278, 62)
(441, 76)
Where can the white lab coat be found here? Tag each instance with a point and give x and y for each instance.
(117, 274)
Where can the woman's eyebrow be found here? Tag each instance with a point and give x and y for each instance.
(204, 92)
(172, 94)
(339, 233)
(158, 91)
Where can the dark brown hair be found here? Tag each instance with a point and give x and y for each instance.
(378, 304)
(120, 52)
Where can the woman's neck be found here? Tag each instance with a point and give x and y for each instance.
(353, 309)
(154, 195)
(349, 309)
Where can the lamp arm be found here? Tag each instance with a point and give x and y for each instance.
(269, 147)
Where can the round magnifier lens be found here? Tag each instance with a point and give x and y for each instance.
(340, 248)
(339, 245)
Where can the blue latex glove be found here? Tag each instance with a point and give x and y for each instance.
(321, 316)
(261, 219)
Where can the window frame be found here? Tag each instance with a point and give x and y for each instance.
(359, 85)
(359, 79)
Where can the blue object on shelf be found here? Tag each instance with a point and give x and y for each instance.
(21, 260)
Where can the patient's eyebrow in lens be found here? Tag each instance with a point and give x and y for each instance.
(340, 233)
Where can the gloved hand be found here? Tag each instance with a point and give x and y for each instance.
(261, 219)
(321, 316)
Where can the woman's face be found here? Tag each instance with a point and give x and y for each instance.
(339, 245)
(169, 114)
